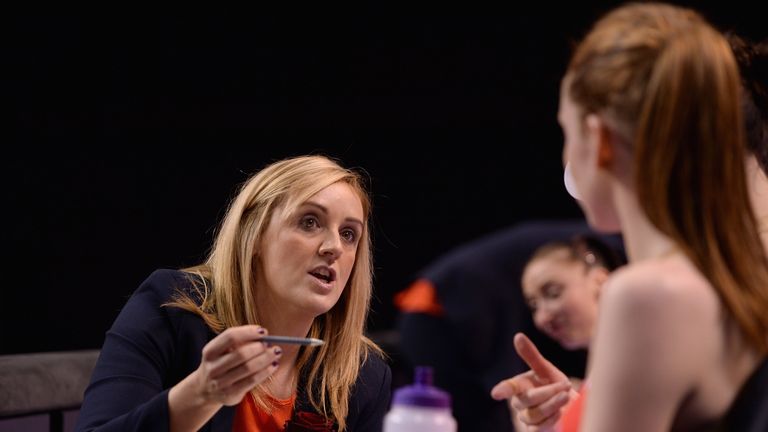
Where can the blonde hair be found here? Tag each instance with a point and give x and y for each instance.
(228, 279)
(670, 83)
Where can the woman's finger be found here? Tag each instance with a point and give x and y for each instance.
(543, 368)
(234, 358)
(536, 396)
(547, 425)
(512, 386)
(537, 415)
(232, 338)
(238, 389)
(251, 367)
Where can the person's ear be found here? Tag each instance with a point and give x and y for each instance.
(604, 140)
(597, 277)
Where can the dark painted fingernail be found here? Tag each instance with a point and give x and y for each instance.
(278, 351)
(274, 363)
(262, 331)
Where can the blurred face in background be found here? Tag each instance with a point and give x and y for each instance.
(562, 293)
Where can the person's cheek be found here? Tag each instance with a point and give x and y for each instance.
(570, 184)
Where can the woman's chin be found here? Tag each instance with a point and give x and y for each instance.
(316, 309)
(573, 344)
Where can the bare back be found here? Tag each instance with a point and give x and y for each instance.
(666, 356)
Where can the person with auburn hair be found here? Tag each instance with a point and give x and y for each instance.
(654, 136)
(292, 255)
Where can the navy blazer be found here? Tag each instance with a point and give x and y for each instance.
(150, 348)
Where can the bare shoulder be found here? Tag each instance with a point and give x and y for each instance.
(659, 337)
(671, 287)
(645, 357)
(655, 312)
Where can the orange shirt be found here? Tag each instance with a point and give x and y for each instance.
(572, 414)
(250, 418)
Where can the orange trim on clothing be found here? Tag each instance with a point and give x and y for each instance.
(250, 418)
(573, 411)
(420, 297)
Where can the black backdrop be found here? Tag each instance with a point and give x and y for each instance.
(129, 135)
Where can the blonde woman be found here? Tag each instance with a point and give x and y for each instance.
(291, 258)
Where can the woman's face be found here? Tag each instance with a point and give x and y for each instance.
(306, 258)
(563, 295)
(580, 152)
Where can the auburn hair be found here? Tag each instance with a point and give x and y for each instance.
(669, 82)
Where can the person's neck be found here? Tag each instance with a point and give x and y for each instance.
(642, 240)
(282, 321)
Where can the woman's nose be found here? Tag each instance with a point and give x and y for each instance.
(331, 246)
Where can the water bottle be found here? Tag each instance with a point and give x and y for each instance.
(420, 407)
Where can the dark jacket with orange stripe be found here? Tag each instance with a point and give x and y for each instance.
(462, 312)
(150, 348)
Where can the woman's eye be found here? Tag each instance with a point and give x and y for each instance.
(309, 222)
(349, 235)
(552, 290)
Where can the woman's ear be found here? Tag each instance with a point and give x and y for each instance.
(603, 138)
(597, 277)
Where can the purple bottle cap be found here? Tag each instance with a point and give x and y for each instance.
(422, 393)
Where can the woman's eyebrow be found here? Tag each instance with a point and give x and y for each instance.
(324, 209)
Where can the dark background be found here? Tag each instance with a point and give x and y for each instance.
(129, 135)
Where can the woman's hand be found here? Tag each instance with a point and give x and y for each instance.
(538, 395)
(233, 363)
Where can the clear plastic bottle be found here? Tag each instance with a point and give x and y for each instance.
(420, 407)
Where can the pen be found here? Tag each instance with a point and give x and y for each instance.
(292, 340)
